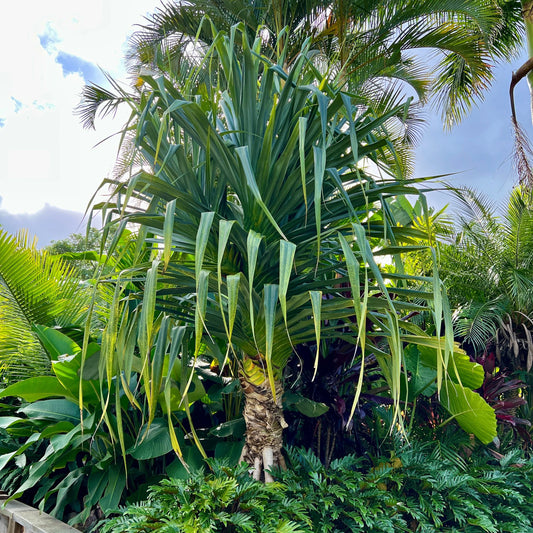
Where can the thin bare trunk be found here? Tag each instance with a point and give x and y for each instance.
(264, 428)
(522, 150)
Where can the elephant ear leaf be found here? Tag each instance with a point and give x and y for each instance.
(470, 410)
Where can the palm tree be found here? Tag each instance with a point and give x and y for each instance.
(35, 290)
(377, 49)
(488, 269)
(264, 228)
(371, 45)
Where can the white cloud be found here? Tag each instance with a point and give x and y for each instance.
(48, 157)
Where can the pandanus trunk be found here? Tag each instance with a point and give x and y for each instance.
(264, 428)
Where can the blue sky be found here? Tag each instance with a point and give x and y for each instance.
(51, 166)
(479, 150)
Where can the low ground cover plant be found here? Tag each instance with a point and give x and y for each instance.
(422, 487)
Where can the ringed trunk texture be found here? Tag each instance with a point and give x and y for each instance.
(264, 428)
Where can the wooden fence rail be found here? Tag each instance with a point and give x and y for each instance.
(16, 517)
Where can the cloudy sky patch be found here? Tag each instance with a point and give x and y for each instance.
(52, 166)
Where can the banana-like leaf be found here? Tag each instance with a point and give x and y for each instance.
(470, 410)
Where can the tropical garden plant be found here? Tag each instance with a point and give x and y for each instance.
(264, 228)
(35, 289)
(422, 487)
(362, 43)
(487, 266)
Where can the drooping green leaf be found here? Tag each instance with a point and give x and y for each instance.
(53, 410)
(154, 441)
(470, 410)
(304, 405)
(34, 389)
(271, 294)
(115, 487)
(287, 251)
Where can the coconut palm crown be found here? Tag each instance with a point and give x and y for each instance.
(371, 46)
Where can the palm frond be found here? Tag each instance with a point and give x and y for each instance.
(35, 289)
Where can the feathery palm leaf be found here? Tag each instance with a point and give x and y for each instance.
(35, 289)
(488, 268)
(371, 39)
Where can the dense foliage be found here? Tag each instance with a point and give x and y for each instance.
(253, 294)
(424, 487)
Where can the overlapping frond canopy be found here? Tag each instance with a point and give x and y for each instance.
(489, 267)
(361, 40)
(35, 289)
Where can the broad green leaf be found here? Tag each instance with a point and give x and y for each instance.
(154, 441)
(229, 451)
(304, 405)
(66, 488)
(6, 421)
(470, 410)
(52, 410)
(460, 368)
(115, 488)
(60, 427)
(96, 484)
(233, 428)
(37, 472)
(34, 389)
(422, 378)
(57, 344)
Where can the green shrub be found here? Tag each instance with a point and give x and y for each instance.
(223, 500)
(424, 487)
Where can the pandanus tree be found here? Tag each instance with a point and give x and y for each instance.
(265, 229)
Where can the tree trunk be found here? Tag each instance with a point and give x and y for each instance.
(264, 428)
(527, 12)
